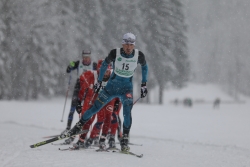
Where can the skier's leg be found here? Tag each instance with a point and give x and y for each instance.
(108, 110)
(94, 135)
(86, 127)
(73, 104)
(81, 142)
(127, 101)
(98, 125)
(119, 128)
(113, 128)
(72, 111)
(105, 117)
(114, 123)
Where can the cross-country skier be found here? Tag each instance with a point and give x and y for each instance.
(80, 66)
(120, 85)
(86, 94)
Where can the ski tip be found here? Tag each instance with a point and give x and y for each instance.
(140, 156)
(59, 149)
(32, 146)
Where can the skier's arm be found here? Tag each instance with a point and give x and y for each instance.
(111, 57)
(72, 66)
(84, 84)
(144, 67)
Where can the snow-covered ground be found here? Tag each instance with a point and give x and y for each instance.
(174, 136)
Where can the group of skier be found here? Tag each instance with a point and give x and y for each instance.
(101, 90)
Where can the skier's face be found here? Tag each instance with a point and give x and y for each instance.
(128, 48)
(86, 60)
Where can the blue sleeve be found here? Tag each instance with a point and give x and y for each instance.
(103, 69)
(144, 70)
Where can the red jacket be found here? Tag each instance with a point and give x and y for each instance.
(87, 81)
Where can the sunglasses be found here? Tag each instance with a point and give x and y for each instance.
(85, 55)
(129, 40)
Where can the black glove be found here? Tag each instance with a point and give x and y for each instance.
(144, 90)
(70, 66)
(68, 69)
(79, 107)
(116, 105)
(97, 86)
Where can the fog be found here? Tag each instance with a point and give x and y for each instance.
(218, 40)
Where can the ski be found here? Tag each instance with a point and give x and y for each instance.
(112, 149)
(102, 150)
(60, 144)
(64, 149)
(45, 137)
(134, 144)
(107, 149)
(72, 149)
(56, 139)
(129, 153)
(116, 150)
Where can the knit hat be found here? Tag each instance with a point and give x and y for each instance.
(128, 38)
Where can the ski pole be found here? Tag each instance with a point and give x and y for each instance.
(66, 97)
(136, 100)
(92, 99)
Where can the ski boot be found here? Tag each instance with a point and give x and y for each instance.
(74, 130)
(102, 145)
(66, 130)
(69, 140)
(108, 135)
(111, 141)
(96, 141)
(124, 143)
(89, 142)
(79, 144)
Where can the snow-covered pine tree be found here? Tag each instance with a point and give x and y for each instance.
(163, 33)
(179, 44)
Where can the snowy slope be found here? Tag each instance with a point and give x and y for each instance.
(171, 135)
